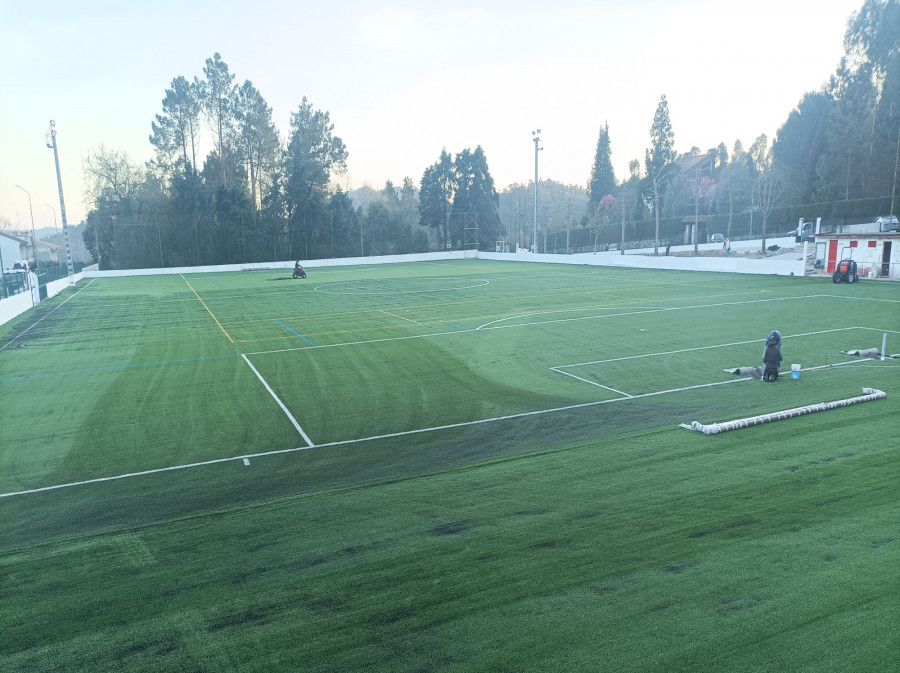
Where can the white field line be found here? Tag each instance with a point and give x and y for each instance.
(247, 457)
(345, 442)
(491, 326)
(702, 348)
(640, 312)
(325, 289)
(841, 296)
(30, 327)
(293, 420)
(593, 383)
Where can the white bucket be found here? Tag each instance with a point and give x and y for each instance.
(795, 371)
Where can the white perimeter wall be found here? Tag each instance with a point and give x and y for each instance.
(19, 303)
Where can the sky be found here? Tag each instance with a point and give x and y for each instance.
(404, 80)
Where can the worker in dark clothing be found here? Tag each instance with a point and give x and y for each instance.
(772, 357)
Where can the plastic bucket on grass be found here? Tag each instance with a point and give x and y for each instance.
(795, 371)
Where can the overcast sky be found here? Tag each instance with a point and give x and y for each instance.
(402, 80)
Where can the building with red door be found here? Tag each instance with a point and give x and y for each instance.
(877, 254)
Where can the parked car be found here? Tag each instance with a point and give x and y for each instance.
(613, 246)
(716, 238)
(888, 223)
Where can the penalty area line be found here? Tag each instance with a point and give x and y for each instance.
(345, 442)
(593, 383)
(290, 416)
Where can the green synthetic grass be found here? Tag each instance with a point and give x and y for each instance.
(472, 508)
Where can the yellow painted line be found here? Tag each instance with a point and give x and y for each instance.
(398, 316)
(208, 311)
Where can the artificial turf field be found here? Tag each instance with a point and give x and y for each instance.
(455, 466)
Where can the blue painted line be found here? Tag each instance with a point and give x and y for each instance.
(453, 324)
(295, 333)
(112, 368)
(217, 280)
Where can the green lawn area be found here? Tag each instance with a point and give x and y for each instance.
(466, 466)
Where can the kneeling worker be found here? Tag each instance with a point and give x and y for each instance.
(772, 358)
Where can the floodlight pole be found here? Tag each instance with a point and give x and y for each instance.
(62, 205)
(537, 139)
(37, 265)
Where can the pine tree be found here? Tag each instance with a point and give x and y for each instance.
(603, 180)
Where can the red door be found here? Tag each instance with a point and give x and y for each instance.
(832, 255)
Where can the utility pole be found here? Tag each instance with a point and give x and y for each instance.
(894, 187)
(537, 140)
(51, 132)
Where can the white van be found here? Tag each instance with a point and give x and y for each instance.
(887, 223)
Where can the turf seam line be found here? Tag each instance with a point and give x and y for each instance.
(280, 403)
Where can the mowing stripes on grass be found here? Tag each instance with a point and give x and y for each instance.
(109, 368)
(345, 442)
(290, 416)
(293, 332)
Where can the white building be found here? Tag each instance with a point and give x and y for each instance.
(877, 254)
(16, 246)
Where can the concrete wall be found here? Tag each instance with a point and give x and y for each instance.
(730, 264)
(92, 272)
(781, 265)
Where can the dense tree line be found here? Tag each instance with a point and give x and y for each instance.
(837, 156)
(255, 197)
(260, 197)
